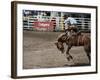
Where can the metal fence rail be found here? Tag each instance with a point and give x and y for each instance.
(83, 23)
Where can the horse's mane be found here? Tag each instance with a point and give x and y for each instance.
(62, 34)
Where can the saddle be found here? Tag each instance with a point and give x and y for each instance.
(75, 29)
(74, 34)
(75, 38)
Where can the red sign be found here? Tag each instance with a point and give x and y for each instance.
(46, 26)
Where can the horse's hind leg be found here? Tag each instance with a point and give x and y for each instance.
(67, 53)
(88, 53)
(89, 57)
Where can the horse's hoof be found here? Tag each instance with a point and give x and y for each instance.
(62, 51)
(68, 58)
(71, 57)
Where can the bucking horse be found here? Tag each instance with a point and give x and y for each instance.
(74, 40)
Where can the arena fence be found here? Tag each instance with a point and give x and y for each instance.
(53, 24)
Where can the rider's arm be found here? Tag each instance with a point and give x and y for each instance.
(67, 21)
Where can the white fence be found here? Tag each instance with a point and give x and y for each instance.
(83, 23)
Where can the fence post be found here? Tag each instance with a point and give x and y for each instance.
(62, 23)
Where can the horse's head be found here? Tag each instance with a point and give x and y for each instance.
(60, 46)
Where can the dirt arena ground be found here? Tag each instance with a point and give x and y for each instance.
(40, 52)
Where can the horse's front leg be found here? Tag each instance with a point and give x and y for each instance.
(67, 53)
